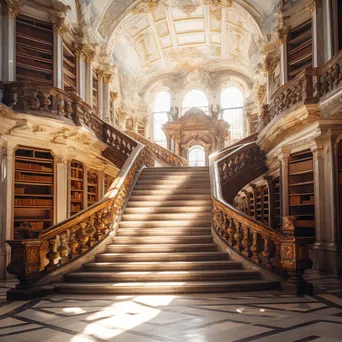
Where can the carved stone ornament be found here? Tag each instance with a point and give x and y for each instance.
(146, 6)
(311, 5)
(223, 3)
(14, 7)
(59, 25)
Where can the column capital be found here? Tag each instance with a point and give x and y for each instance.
(282, 35)
(59, 25)
(85, 52)
(311, 5)
(14, 7)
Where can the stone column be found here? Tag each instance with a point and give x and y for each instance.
(282, 33)
(318, 32)
(58, 30)
(100, 97)
(6, 206)
(62, 189)
(88, 82)
(81, 74)
(9, 40)
(168, 141)
(106, 99)
(326, 251)
(284, 179)
(101, 190)
(213, 142)
(328, 30)
(177, 144)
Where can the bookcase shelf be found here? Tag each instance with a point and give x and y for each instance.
(339, 182)
(33, 190)
(76, 187)
(301, 192)
(299, 49)
(34, 50)
(93, 182)
(69, 68)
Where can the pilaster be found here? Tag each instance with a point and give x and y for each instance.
(318, 31)
(9, 40)
(284, 178)
(88, 83)
(100, 95)
(62, 190)
(326, 251)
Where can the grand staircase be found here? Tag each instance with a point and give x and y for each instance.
(164, 243)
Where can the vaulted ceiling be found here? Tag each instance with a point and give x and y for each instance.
(153, 37)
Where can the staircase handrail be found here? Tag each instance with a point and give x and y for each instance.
(160, 153)
(257, 242)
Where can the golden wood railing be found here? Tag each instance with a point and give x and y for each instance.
(260, 244)
(160, 153)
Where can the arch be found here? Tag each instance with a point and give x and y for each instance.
(195, 98)
(160, 110)
(196, 156)
(232, 103)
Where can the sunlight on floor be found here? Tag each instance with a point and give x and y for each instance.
(120, 317)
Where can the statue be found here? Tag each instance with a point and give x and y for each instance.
(215, 111)
(174, 113)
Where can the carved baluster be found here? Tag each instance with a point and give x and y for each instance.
(68, 109)
(63, 249)
(266, 253)
(254, 248)
(73, 244)
(238, 236)
(99, 225)
(46, 102)
(231, 232)
(91, 231)
(51, 255)
(60, 105)
(245, 241)
(83, 237)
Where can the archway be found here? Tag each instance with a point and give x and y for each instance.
(196, 156)
(195, 99)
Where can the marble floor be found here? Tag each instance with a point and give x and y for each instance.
(258, 316)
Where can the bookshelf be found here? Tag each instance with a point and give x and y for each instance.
(34, 50)
(251, 203)
(95, 90)
(76, 187)
(258, 203)
(69, 68)
(339, 182)
(265, 198)
(108, 180)
(299, 49)
(34, 190)
(92, 187)
(301, 192)
(277, 221)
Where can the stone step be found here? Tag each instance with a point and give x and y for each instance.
(169, 197)
(165, 224)
(163, 276)
(162, 266)
(170, 192)
(163, 248)
(167, 181)
(169, 216)
(168, 210)
(179, 256)
(176, 168)
(131, 240)
(165, 287)
(163, 204)
(163, 232)
(173, 187)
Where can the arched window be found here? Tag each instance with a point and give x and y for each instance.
(161, 109)
(195, 98)
(233, 111)
(196, 156)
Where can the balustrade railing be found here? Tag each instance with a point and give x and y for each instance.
(158, 152)
(260, 244)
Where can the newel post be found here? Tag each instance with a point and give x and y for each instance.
(295, 260)
(25, 265)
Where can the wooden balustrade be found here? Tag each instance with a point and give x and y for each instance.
(260, 244)
(160, 153)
